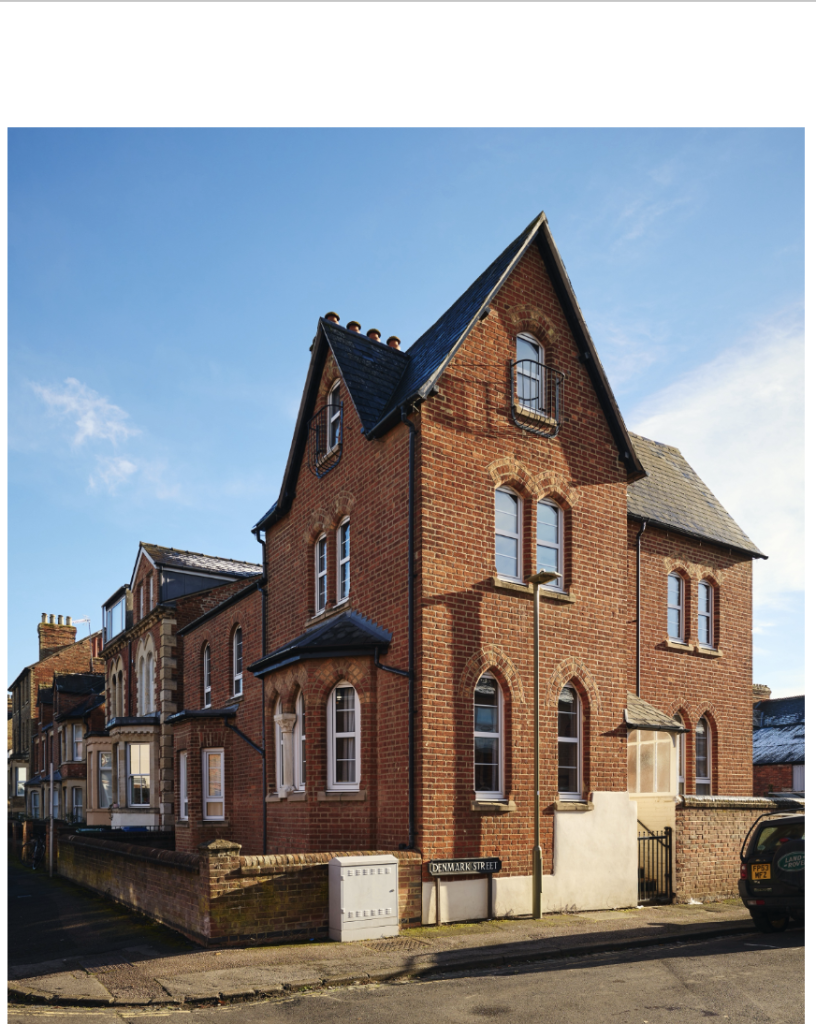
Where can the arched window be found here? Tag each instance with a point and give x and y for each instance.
(140, 687)
(530, 380)
(150, 704)
(296, 755)
(184, 798)
(343, 712)
(205, 671)
(681, 757)
(550, 541)
(705, 614)
(343, 561)
(120, 695)
(487, 739)
(237, 663)
(300, 743)
(569, 744)
(508, 534)
(702, 758)
(675, 617)
(321, 574)
(334, 417)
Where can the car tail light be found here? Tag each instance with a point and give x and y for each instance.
(743, 871)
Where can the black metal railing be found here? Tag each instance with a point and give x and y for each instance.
(326, 438)
(536, 390)
(655, 866)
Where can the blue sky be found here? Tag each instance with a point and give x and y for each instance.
(164, 287)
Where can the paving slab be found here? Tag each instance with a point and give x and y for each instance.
(231, 983)
(75, 987)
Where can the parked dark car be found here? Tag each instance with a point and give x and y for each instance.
(772, 875)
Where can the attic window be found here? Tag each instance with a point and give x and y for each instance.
(536, 388)
(326, 434)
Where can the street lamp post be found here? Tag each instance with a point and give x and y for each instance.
(537, 579)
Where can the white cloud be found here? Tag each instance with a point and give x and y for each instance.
(111, 471)
(739, 420)
(94, 416)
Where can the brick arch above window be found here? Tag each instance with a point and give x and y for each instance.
(509, 472)
(342, 507)
(558, 488)
(286, 685)
(344, 670)
(490, 660)
(533, 320)
(705, 710)
(320, 521)
(693, 571)
(572, 670)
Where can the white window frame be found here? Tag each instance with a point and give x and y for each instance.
(333, 417)
(55, 803)
(206, 661)
(491, 794)
(77, 744)
(331, 783)
(103, 771)
(298, 748)
(141, 600)
(152, 602)
(681, 637)
(515, 536)
(74, 804)
(343, 562)
(661, 742)
(558, 547)
(132, 775)
(237, 662)
(538, 405)
(184, 795)
(577, 740)
(206, 797)
(321, 577)
(681, 757)
(34, 803)
(707, 617)
(703, 780)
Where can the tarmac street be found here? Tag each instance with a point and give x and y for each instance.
(736, 979)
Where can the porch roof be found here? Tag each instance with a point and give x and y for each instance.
(348, 635)
(640, 715)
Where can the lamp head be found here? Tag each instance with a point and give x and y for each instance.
(545, 576)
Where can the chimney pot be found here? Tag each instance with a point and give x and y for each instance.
(68, 620)
(51, 620)
(43, 617)
(59, 620)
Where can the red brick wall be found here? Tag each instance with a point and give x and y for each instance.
(218, 897)
(687, 681)
(772, 778)
(708, 838)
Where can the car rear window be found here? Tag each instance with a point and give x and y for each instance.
(771, 836)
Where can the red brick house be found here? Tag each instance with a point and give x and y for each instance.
(133, 759)
(387, 667)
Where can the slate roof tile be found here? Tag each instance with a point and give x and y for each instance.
(195, 561)
(370, 370)
(350, 630)
(672, 495)
(641, 715)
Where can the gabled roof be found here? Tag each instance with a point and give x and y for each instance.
(349, 634)
(381, 381)
(79, 682)
(228, 602)
(194, 561)
(640, 715)
(673, 496)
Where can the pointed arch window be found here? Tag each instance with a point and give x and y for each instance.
(205, 668)
(702, 758)
(550, 541)
(569, 744)
(237, 662)
(343, 711)
(343, 561)
(508, 534)
(530, 382)
(705, 614)
(321, 574)
(487, 740)
(674, 606)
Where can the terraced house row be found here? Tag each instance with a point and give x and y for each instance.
(369, 683)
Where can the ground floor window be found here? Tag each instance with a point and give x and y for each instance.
(105, 778)
(344, 738)
(213, 784)
(35, 803)
(183, 800)
(56, 803)
(21, 777)
(569, 744)
(487, 752)
(702, 750)
(138, 774)
(76, 803)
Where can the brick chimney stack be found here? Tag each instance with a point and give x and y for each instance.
(55, 635)
(760, 692)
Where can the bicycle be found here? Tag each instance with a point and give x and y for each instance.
(34, 852)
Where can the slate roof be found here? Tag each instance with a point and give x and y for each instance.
(45, 695)
(79, 682)
(381, 380)
(779, 731)
(779, 711)
(179, 716)
(347, 634)
(371, 370)
(641, 715)
(94, 700)
(672, 495)
(194, 561)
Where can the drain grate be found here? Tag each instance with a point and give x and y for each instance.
(398, 945)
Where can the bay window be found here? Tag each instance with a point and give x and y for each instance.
(343, 712)
(105, 791)
(138, 769)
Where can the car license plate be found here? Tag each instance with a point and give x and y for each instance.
(759, 871)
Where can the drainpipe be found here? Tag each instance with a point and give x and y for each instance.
(262, 588)
(411, 460)
(637, 613)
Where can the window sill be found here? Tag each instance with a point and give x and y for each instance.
(341, 795)
(493, 806)
(708, 652)
(291, 798)
(574, 805)
(214, 821)
(532, 414)
(705, 652)
(677, 645)
(182, 823)
(526, 589)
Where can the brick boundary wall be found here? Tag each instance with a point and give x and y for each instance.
(708, 837)
(216, 897)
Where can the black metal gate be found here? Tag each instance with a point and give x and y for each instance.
(655, 866)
